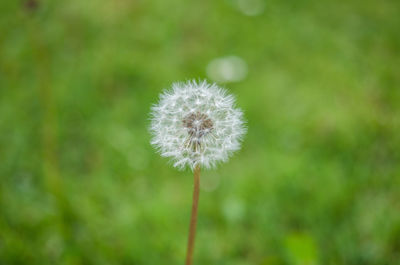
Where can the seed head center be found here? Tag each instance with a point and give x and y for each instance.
(198, 124)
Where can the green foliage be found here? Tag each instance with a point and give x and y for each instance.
(317, 180)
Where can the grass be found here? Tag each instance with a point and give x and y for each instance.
(315, 183)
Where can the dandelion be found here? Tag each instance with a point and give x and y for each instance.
(197, 125)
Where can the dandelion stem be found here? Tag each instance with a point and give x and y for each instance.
(193, 217)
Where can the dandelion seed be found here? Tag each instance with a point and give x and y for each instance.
(196, 123)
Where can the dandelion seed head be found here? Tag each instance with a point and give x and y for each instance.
(196, 123)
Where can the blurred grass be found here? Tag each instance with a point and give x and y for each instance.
(317, 180)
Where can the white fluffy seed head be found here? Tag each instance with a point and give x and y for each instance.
(196, 123)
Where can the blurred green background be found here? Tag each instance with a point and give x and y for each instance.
(316, 182)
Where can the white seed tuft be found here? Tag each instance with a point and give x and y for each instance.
(196, 123)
